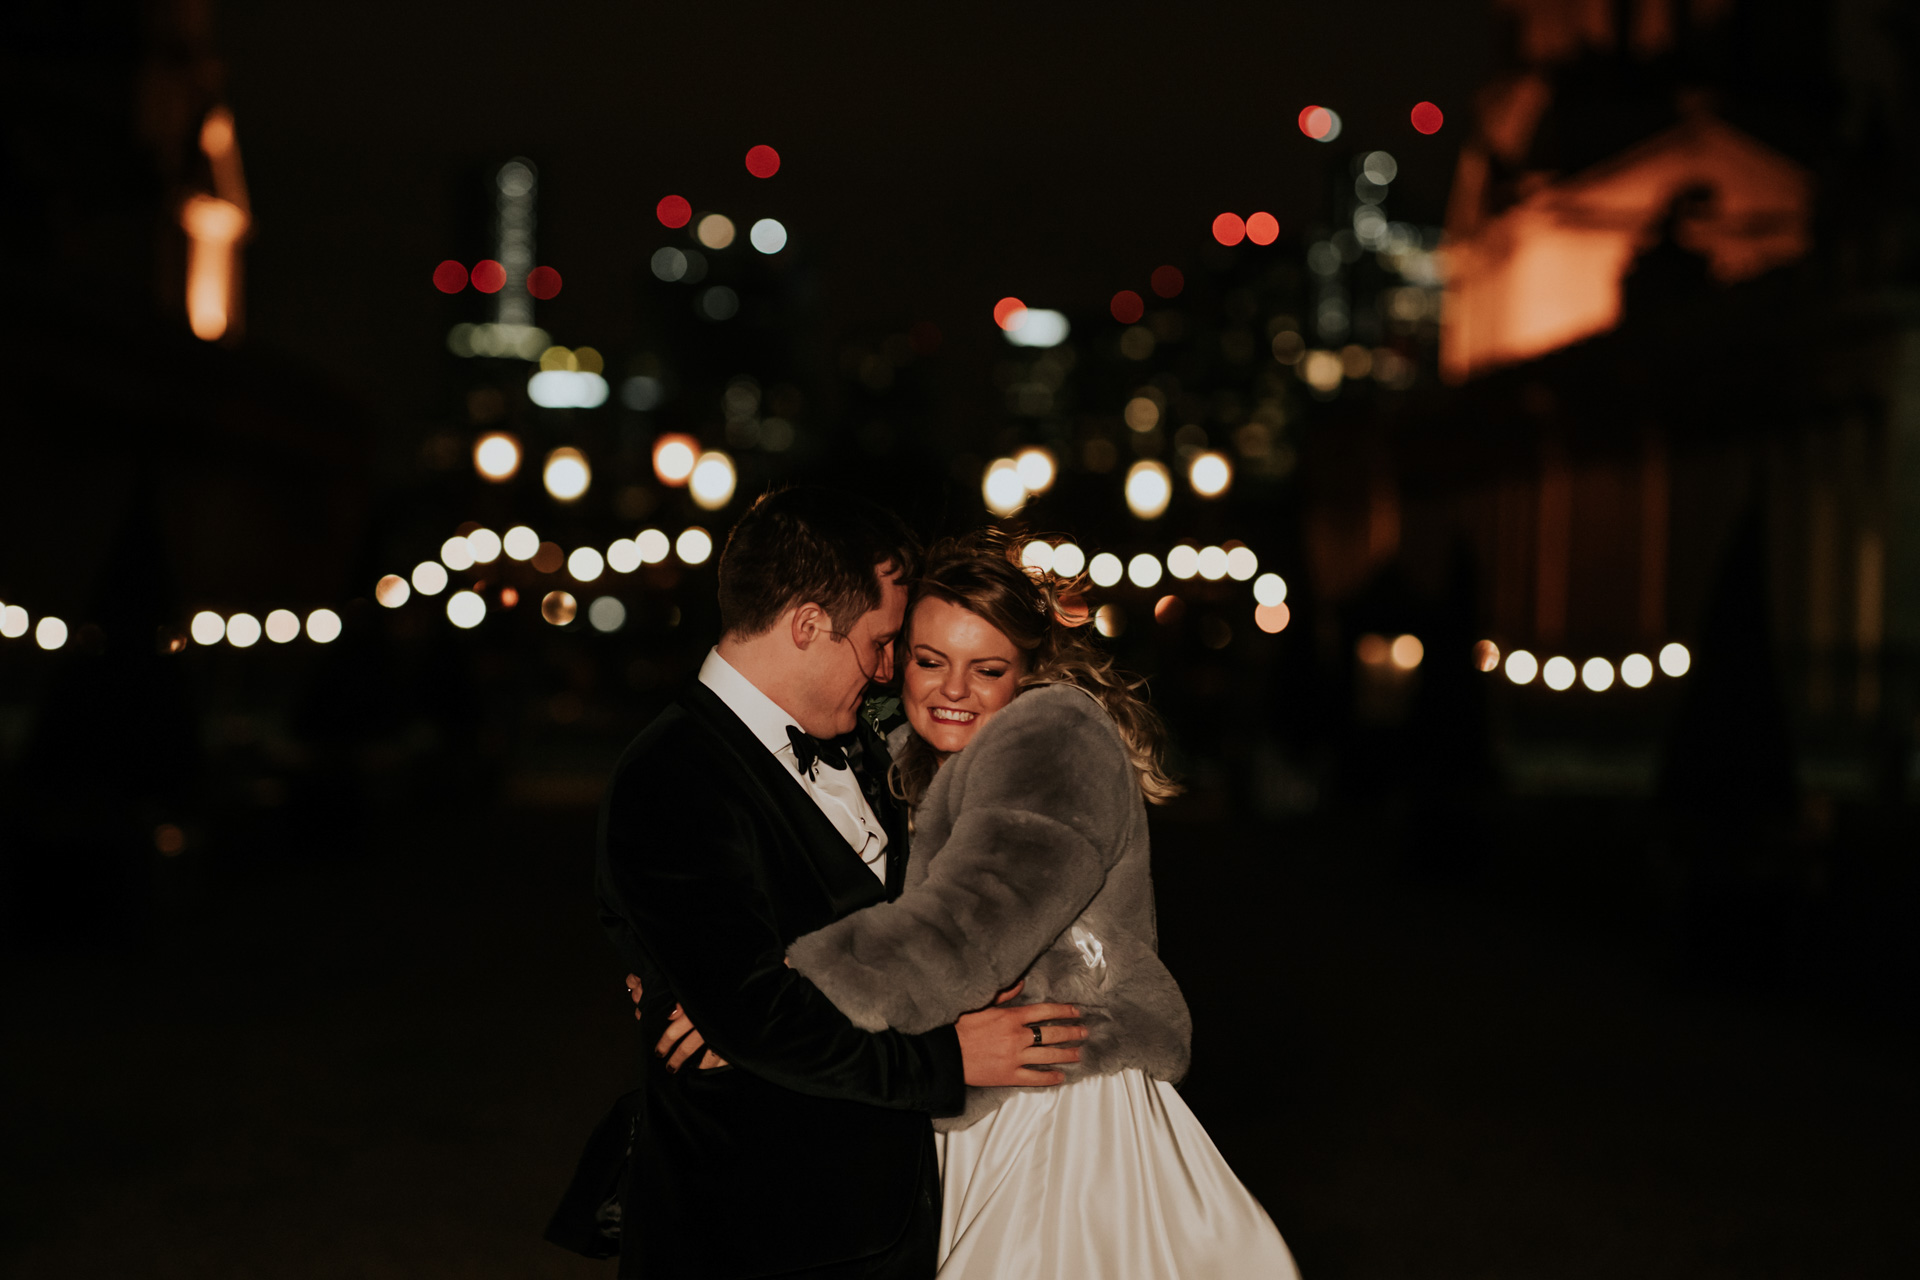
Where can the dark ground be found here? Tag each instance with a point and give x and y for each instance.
(383, 1067)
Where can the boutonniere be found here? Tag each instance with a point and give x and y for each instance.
(881, 714)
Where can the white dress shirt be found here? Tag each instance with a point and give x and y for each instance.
(836, 791)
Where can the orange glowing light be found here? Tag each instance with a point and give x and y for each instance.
(1167, 281)
(1272, 618)
(1229, 229)
(1168, 609)
(1428, 118)
(1009, 312)
(489, 276)
(674, 456)
(1127, 307)
(1263, 228)
(214, 227)
(1316, 122)
(763, 161)
(450, 277)
(509, 597)
(673, 211)
(543, 283)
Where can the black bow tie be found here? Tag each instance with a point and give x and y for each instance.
(809, 751)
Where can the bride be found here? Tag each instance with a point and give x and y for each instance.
(1026, 759)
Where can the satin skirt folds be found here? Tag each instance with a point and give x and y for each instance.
(1108, 1178)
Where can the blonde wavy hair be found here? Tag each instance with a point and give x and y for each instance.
(1045, 615)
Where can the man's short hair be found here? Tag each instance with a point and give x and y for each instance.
(809, 545)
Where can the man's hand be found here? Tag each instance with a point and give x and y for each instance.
(681, 1040)
(998, 1047)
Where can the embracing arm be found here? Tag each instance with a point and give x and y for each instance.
(1040, 822)
(679, 879)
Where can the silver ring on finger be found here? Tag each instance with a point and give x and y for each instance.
(1038, 1032)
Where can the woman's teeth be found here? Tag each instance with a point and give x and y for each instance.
(950, 716)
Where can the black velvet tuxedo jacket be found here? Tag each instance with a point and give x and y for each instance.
(810, 1148)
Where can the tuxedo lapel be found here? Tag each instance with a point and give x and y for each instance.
(847, 882)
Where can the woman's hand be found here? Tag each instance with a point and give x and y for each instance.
(681, 1041)
(998, 1045)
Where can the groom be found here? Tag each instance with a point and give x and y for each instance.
(752, 811)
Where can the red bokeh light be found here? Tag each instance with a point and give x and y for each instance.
(449, 277)
(1316, 122)
(763, 161)
(543, 282)
(1428, 118)
(1127, 307)
(489, 276)
(1008, 311)
(1229, 229)
(1168, 282)
(1263, 228)
(673, 211)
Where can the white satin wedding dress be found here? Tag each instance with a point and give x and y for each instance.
(1108, 1178)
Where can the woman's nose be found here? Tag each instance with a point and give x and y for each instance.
(953, 688)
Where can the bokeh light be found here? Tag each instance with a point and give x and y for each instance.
(283, 626)
(13, 622)
(1522, 667)
(768, 236)
(489, 276)
(450, 276)
(1559, 674)
(673, 211)
(1407, 652)
(1036, 468)
(1210, 474)
(1270, 588)
(1427, 118)
(1000, 487)
(1229, 228)
(243, 630)
(674, 456)
(1675, 660)
(1037, 555)
(1169, 609)
(1272, 618)
(50, 633)
(1110, 620)
(1241, 562)
(1069, 560)
(606, 614)
(1322, 124)
(209, 627)
(455, 554)
(543, 283)
(1105, 569)
(1183, 561)
(653, 546)
(762, 162)
(1143, 570)
(623, 555)
(559, 607)
(1636, 670)
(1211, 563)
(1597, 674)
(1486, 656)
(484, 546)
(1167, 282)
(566, 474)
(715, 231)
(1373, 650)
(1149, 489)
(391, 591)
(567, 389)
(520, 543)
(1127, 306)
(712, 481)
(1262, 228)
(429, 578)
(1379, 168)
(1009, 312)
(694, 545)
(1142, 413)
(585, 564)
(1035, 327)
(466, 610)
(323, 626)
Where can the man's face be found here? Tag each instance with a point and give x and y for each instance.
(846, 663)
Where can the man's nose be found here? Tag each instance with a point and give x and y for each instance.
(885, 671)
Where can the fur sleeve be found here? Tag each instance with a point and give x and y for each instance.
(1042, 816)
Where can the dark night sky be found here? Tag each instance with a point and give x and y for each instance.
(931, 164)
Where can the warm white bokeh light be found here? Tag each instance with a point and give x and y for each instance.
(1675, 660)
(1148, 489)
(484, 546)
(209, 627)
(1210, 474)
(323, 626)
(1143, 570)
(1597, 674)
(521, 543)
(1109, 620)
(13, 622)
(674, 457)
(653, 545)
(1036, 468)
(283, 626)
(1242, 563)
(712, 481)
(1559, 674)
(243, 631)
(496, 456)
(1105, 569)
(1068, 560)
(50, 633)
(1037, 555)
(1636, 670)
(465, 609)
(566, 474)
(715, 231)
(1000, 487)
(623, 555)
(429, 579)
(1270, 589)
(585, 564)
(694, 545)
(1407, 652)
(1211, 563)
(1183, 561)
(1522, 667)
(455, 554)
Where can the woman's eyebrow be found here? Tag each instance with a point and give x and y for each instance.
(930, 649)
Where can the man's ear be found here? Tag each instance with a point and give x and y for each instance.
(807, 623)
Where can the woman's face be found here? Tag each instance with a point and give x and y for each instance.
(960, 670)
